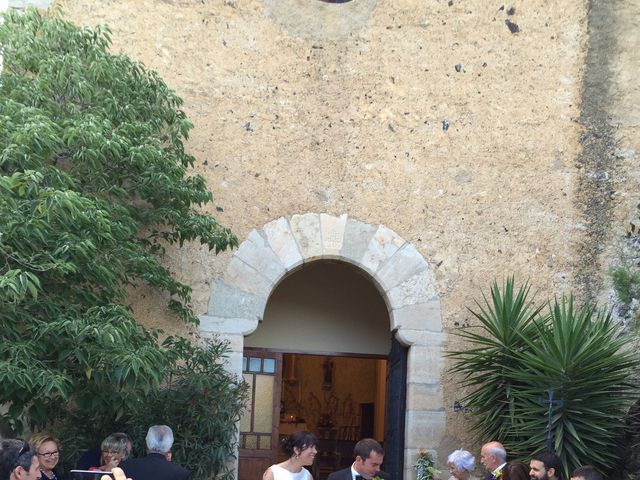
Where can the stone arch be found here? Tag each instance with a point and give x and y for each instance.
(403, 277)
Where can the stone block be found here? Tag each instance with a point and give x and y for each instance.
(383, 245)
(404, 264)
(306, 231)
(424, 397)
(230, 302)
(283, 243)
(419, 316)
(424, 429)
(419, 288)
(408, 337)
(257, 253)
(424, 364)
(357, 236)
(246, 278)
(228, 327)
(332, 233)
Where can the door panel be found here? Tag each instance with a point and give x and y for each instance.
(396, 407)
(259, 425)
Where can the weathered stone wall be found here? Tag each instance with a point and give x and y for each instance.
(455, 124)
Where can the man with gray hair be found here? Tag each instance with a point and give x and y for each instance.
(157, 464)
(494, 457)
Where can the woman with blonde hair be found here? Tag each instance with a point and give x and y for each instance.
(47, 449)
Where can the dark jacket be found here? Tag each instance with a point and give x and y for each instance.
(345, 474)
(153, 467)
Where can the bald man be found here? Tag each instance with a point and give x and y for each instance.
(494, 457)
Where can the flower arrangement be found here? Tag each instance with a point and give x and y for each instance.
(425, 466)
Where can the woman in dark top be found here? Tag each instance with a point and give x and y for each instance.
(47, 449)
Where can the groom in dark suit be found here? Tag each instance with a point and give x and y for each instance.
(369, 455)
(157, 465)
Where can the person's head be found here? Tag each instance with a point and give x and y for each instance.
(545, 465)
(47, 449)
(18, 461)
(461, 464)
(587, 472)
(515, 470)
(115, 448)
(492, 455)
(369, 455)
(301, 446)
(159, 439)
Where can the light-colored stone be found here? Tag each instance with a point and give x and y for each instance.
(230, 302)
(332, 231)
(402, 266)
(418, 317)
(283, 243)
(424, 365)
(423, 396)
(256, 252)
(382, 246)
(419, 288)
(306, 230)
(409, 337)
(227, 326)
(357, 237)
(247, 278)
(424, 428)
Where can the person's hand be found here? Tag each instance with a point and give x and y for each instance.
(118, 474)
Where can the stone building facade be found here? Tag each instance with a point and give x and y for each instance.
(435, 145)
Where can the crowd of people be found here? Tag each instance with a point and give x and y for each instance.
(38, 458)
(302, 447)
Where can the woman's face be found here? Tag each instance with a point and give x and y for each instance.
(111, 457)
(48, 455)
(459, 474)
(307, 455)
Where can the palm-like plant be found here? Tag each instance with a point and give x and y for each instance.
(581, 356)
(519, 353)
(485, 367)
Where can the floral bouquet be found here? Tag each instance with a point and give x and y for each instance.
(425, 466)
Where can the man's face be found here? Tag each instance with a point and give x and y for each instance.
(32, 474)
(538, 472)
(489, 460)
(370, 466)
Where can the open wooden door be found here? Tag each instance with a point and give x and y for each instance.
(259, 425)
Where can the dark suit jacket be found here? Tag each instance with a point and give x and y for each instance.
(345, 474)
(153, 467)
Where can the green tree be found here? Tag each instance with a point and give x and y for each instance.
(93, 188)
(518, 355)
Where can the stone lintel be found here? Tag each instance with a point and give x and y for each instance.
(227, 326)
(283, 243)
(409, 337)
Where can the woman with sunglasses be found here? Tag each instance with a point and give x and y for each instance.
(47, 449)
(18, 461)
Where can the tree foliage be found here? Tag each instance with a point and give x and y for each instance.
(521, 351)
(93, 187)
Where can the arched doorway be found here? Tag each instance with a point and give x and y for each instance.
(403, 279)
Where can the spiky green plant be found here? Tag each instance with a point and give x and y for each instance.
(485, 367)
(582, 357)
(519, 352)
